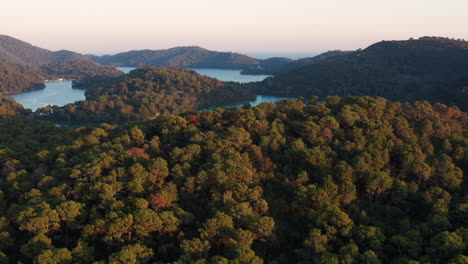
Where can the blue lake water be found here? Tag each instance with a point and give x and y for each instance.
(55, 93)
(220, 74)
(61, 93)
(258, 100)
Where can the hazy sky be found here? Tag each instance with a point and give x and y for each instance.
(109, 26)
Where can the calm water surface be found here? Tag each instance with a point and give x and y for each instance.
(222, 75)
(55, 93)
(258, 100)
(62, 93)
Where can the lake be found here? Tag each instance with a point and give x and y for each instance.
(61, 93)
(55, 93)
(220, 74)
(258, 100)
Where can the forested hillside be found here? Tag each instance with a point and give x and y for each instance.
(274, 66)
(15, 78)
(197, 57)
(397, 70)
(15, 51)
(23, 67)
(79, 69)
(190, 57)
(146, 93)
(8, 106)
(350, 180)
(20, 78)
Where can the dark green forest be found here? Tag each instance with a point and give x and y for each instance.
(349, 180)
(417, 69)
(146, 93)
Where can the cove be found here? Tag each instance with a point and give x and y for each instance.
(55, 93)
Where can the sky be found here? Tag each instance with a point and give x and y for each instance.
(249, 26)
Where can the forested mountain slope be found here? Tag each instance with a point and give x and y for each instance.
(397, 70)
(190, 57)
(9, 106)
(20, 78)
(23, 67)
(350, 180)
(197, 57)
(15, 51)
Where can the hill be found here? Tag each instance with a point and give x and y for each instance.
(349, 180)
(197, 57)
(146, 93)
(8, 106)
(189, 57)
(15, 51)
(20, 78)
(78, 69)
(16, 78)
(274, 66)
(397, 70)
(24, 66)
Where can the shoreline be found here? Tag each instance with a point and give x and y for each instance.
(58, 80)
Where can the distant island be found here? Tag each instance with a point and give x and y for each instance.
(197, 57)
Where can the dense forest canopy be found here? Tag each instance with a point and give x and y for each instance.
(349, 180)
(397, 70)
(146, 93)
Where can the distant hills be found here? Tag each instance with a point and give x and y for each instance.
(428, 68)
(15, 51)
(416, 69)
(25, 66)
(197, 57)
(275, 66)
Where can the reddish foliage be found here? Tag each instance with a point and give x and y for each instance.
(449, 113)
(193, 120)
(327, 133)
(138, 152)
(157, 202)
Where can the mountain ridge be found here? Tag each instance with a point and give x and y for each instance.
(398, 70)
(29, 54)
(25, 66)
